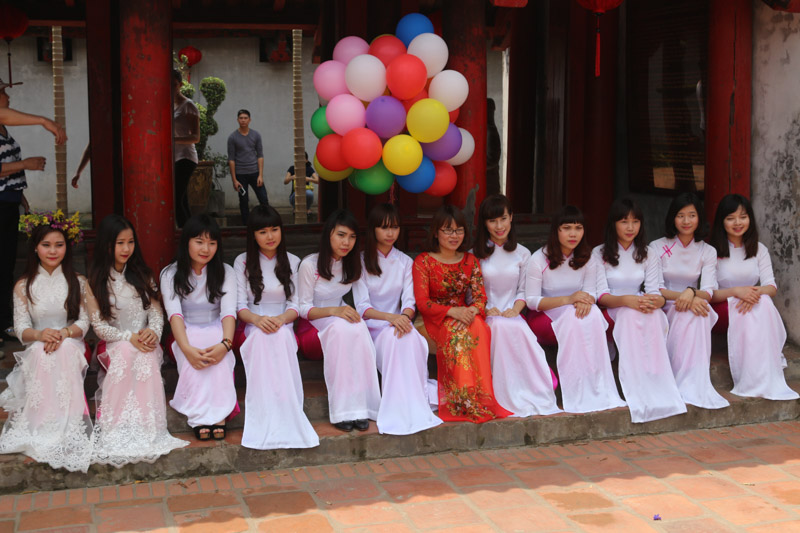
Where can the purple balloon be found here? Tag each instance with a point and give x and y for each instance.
(445, 147)
(386, 116)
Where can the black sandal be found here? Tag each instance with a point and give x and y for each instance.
(202, 436)
(217, 432)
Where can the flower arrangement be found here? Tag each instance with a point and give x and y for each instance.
(70, 225)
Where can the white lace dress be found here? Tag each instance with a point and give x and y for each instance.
(48, 415)
(131, 421)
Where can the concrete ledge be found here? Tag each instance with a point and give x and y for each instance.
(17, 473)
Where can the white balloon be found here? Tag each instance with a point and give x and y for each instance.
(467, 147)
(365, 77)
(450, 88)
(432, 50)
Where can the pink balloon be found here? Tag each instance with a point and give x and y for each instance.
(348, 48)
(329, 80)
(344, 113)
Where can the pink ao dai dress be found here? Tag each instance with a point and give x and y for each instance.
(584, 364)
(204, 396)
(520, 375)
(756, 338)
(689, 337)
(403, 362)
(644, 370)
(274, 416)
(349, 355)
(131, 421)
(48, 415)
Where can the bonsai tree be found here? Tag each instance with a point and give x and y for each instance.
(213, 91)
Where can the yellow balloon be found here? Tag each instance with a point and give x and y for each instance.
(427, 120)
(331, 175)
(402, 155)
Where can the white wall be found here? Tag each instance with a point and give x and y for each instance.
(776, 151)
(265, 89)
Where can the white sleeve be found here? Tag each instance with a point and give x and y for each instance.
(652, 274)
(765, 274)
(155, 317)
(590, 277)
(101, 327)
(525, 256)
(533, 280)
(361, 295)
(708, 275)
(83, 316)
(241, 283)
(227, 304)
(306, 279)
(22, 317)
(407, 299)
(172, 302)
(293, 301)
(601, 282)
(655, 254)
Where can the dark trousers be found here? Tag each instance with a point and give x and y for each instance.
(246, 180)
(9, 234)
(183, 172)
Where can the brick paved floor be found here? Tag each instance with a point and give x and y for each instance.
(732, 479)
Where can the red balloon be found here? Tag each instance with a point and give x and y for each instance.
(454, 115)
(329, 153)
(406, 76)
(444, 180)
(361, 148)
(386, 48)
(411, 101)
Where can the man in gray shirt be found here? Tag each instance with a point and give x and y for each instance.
(246, 161)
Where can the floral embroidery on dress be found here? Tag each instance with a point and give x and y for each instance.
(116, 367)
(143, 367)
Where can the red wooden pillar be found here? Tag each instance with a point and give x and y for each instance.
(464, 29)
(146, 62)
(730, 69)
(101, 31)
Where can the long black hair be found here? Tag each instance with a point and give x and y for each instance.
(73, 301)
(137, 273)
(729, 204)
(620, 209)
(196, 226)
(265, 216)
(494, 206)
(351, 263)
(441, 219)
(381, 216)
(569, 214)
(678, 203)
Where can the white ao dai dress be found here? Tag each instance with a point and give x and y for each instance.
(584, 365)
(644, 370)
(689, 337)
(403, 362)
(520, 375)
(131, 419)
(48, 415)
(204, 396)
(349, 355)
(273, 415)
(756, 338)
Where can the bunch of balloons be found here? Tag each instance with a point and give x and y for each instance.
(389, 112)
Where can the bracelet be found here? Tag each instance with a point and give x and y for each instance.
(69, 333)
(694, 291)
(227, 344)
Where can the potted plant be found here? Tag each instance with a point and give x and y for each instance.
(213, 91)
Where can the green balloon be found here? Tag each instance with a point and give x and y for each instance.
(373, 180)
(319, 124)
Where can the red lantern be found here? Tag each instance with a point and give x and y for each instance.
(598, 7)
(13, 23)
(792, 6)
(193, 55)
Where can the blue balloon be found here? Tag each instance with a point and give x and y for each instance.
(421, 179)
(412, 25)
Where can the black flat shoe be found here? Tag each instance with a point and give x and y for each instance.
(361, 425)
(202, 432)
(346, 425)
